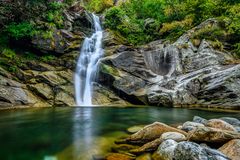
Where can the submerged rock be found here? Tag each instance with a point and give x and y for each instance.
(231, 149)
(118, 156)
(135, 129)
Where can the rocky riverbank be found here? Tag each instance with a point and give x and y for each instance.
(199, 139)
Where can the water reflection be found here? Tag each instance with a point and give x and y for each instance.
(82, 131)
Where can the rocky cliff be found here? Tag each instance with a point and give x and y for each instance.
(179, 74)
(184, 73)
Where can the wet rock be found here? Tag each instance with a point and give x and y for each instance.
(231, 149)
(150, 133)
(118, 156)
(212, 135)
(153, 145)
(198, 119)
(220, 124)
(64, 99)
(165, 150)
(104, 96)
(188, 126)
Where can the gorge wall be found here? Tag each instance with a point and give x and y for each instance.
(160, 73)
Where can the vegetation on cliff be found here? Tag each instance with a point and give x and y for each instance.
(147, 20)
(139, 22)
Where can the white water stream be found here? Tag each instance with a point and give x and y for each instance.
(87, 65)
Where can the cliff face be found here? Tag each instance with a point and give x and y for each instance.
(159, 73)
(178, 74)
(50, 83)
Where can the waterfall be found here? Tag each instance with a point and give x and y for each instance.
(87, 65)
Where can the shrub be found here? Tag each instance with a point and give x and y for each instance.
(8, 53)
(114, 17)
(20, 30)
(99, 5)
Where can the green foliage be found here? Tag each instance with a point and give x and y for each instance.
(47, 58)
(114, 17)
(99, 5)
(20, 30)
(172, 18)
(8, 53)
(237, 49)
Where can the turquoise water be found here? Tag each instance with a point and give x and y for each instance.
(77, 133)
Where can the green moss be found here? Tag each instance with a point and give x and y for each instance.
(8, 53)
(109, 70)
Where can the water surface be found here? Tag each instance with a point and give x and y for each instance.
(78, 133)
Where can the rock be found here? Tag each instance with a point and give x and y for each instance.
(189, 151)
(215, 154)
(146, 156)
(212, 135)
(118, 156)
(188, 126)
(165, 150)
(220, 124)
(231, 149)
(43, 90)
(153, 145)
(111, 38)
(178, 74)
(198, 119)
(150, 133)
(51, 78)
(232, 121)
(104, 96)
(64, 99)
(178, 137)
(134, 129)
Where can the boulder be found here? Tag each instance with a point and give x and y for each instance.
(189, 151)
(198, 119)
(153, 145)
(232, 121)
(150, 133)
(188, 126)
(231, 149)
(212, 135)
(220, 124)
(166, 150)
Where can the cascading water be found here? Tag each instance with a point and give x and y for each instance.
(87, 65)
